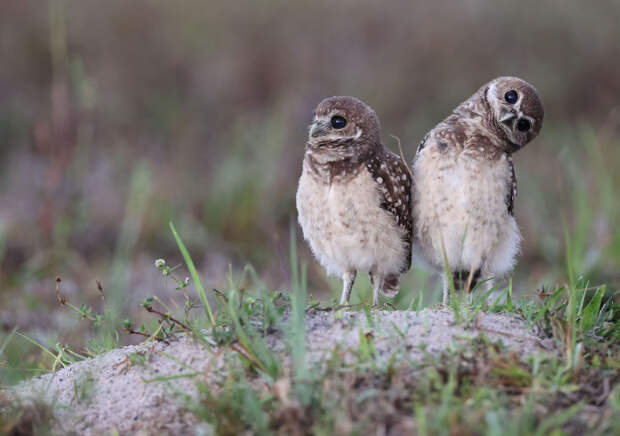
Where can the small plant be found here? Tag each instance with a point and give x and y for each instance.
(181, 285)
(64, 355)
(83, 311)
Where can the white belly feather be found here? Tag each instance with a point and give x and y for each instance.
(461, 200)
(346, 228)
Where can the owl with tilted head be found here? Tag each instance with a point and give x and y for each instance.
(464, 184)
(353, 198)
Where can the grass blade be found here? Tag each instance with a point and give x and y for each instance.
(192, 271)
(590, 313)
(298, 310)
(7, 340)
(55, 358)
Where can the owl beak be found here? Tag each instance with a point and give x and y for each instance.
(507, 116)
(319, 128)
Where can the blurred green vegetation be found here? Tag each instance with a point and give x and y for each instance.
(118, 117)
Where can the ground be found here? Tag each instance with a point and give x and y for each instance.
(143, 387)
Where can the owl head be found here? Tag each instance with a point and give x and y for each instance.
(516, 110)
(343, 123)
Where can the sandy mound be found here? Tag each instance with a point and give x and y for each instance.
(118, 390)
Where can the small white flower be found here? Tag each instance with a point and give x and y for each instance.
(186, 281)
(160, 263)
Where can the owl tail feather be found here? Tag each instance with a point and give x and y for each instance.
(391, 284)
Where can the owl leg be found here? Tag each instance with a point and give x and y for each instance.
(377, 287)
(446, 289)
(348, 278)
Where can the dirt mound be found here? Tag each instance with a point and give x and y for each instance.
(145, 387)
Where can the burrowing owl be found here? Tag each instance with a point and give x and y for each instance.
(353, 198)
(464, 183)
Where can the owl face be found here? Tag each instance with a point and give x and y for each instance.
(343, 122)
(517, 109)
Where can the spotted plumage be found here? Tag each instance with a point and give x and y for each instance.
(354, 198)
(464, 183)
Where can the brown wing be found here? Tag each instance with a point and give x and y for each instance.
(512, 192)
(394, 180)
(422, 144)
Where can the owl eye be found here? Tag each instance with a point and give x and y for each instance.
(511, 96)
(523, 125)
(338, 122)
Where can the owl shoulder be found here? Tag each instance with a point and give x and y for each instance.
(449, 134)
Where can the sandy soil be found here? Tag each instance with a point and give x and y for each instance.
(116, 390)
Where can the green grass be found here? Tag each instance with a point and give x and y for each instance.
(476, 388)
(192, 270)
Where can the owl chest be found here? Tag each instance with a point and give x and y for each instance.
(340, 210)
(346, 227)
(480, 186)
(461, 200)
(464, 186)
(460, 209)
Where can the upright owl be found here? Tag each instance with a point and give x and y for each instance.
(464, 184)
(353, 198)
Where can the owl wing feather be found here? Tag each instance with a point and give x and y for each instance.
(394, 182)
(422, 144)
(512, 192)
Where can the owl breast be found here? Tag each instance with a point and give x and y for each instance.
(459, 205)
(346, 227)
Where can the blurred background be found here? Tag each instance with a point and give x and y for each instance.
(118, 117)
